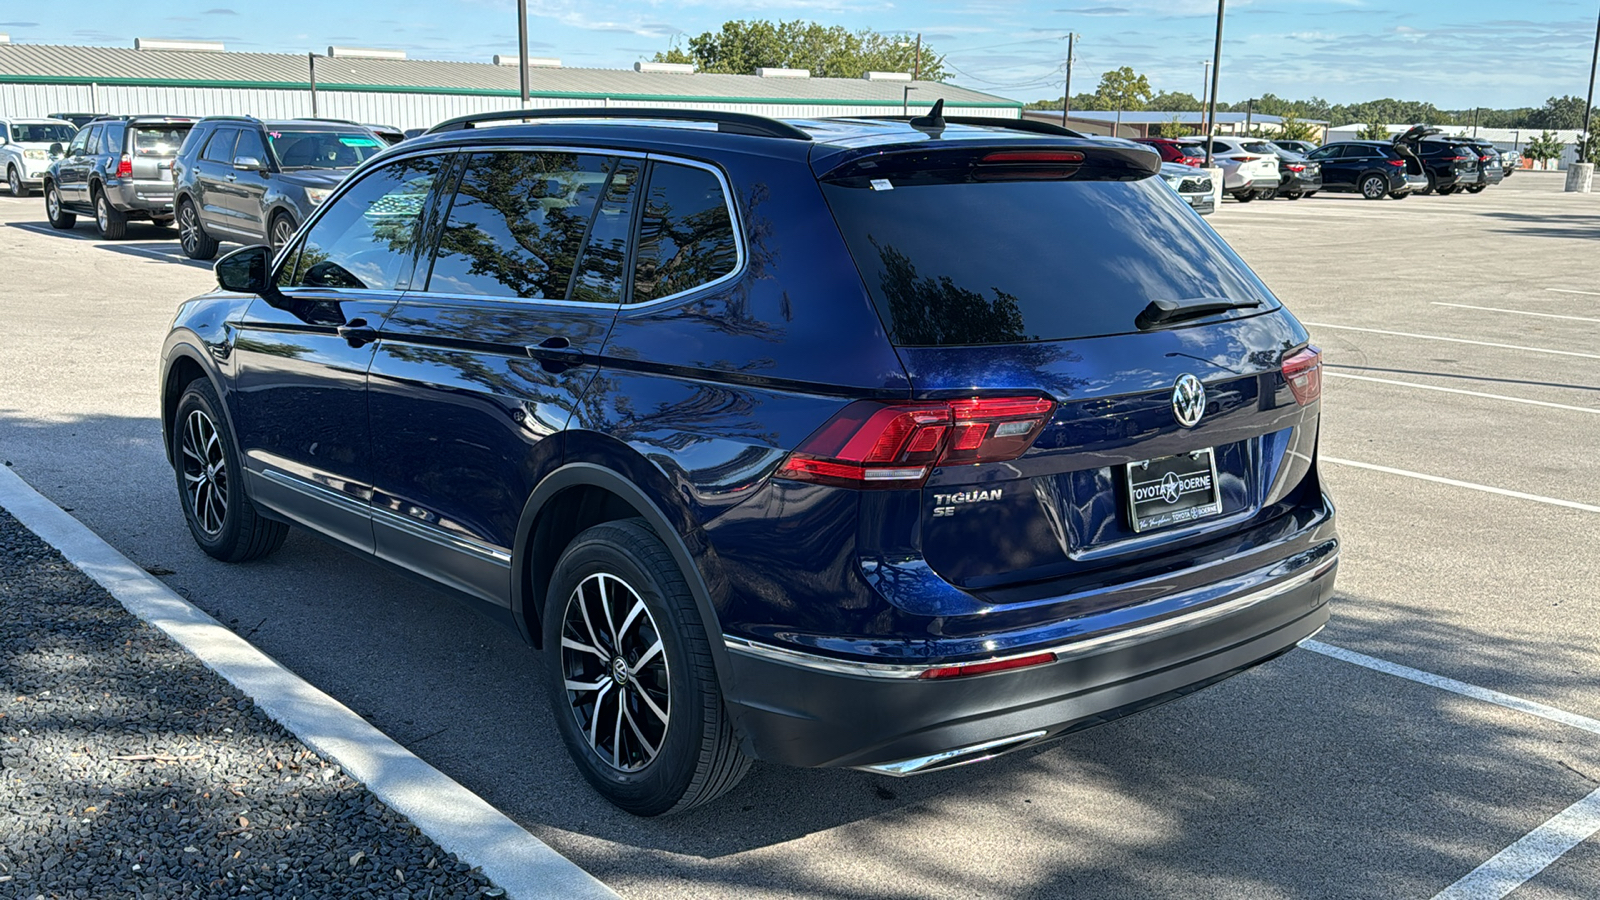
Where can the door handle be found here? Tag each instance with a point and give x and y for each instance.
(357, 332)
(232, 177)
(558, 350)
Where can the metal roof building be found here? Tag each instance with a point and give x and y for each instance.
(1143, 122)
(36, 79)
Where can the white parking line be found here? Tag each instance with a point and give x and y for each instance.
(1566, 291)
(1446, 390)
(1434, 337)
(440, 807)
(45, 229)
(1516, 312)
(1456, 687)
(1517, 864)
(1570, 504)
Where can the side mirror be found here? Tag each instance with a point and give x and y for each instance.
(246, 270)
(56, 150)
(248, 164)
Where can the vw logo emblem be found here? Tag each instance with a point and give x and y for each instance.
(1188, 400)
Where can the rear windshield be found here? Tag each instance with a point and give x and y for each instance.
(42, 134)
(1192, 149)
(1024, 261)
(1259, 147)
(323, 149)
(159, 140)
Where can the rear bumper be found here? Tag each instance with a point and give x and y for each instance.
(152, 197)
(809, 710)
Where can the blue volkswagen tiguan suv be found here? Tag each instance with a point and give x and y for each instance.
(889, 444)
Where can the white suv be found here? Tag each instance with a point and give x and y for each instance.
(1249, 167)
(25, 150)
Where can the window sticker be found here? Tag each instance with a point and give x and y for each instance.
(275, 134)
(360, 142)
(881, 184)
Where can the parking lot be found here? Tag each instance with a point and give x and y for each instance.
(1461, 420)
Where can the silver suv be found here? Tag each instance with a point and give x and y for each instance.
(25, 150)
(117, 169)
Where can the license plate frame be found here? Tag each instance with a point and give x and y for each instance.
(1168, 491)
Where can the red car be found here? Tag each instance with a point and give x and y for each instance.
(1183, 151)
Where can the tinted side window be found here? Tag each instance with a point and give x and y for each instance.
(686, 236)
(111, 139)
(250, 145)
(92, 146)
(220, 147)
(365, 240)
(602, 269)
(5, 132)
(517, 223)
(79, 141)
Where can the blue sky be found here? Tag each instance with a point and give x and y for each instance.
(1454, 53)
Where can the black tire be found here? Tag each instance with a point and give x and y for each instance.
(1400, 196)
(1446, 191)
(1374, 187)
(15, 183)
(55, 210)
(222, 519)
(696, 755)
(1433, 184)
(1477, 189)
(1310, 193)
(112, 223)
(192, 237)
(1244, 196)
(1293, 196)
(1267, 194)
(281, 231)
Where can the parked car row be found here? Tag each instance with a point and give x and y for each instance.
(1418, 161)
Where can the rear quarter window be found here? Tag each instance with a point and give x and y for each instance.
(1026, 261)
(686, 235)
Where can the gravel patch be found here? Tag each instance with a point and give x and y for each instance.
(129, 769)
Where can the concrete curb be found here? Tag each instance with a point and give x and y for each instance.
(455, 818)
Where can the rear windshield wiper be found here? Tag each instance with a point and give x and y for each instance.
(1161, 312)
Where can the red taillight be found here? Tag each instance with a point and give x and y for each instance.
(1295, 168)
(1196, 161)
(1483, 159)
(1396, 162)
(1033, 156)
(1020, 662)
(874, 444)
(125, 167)
(1303, 371)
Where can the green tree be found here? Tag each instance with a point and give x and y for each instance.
(1558, 114)
(1292, 129)
(1375, 131)
(827, 51)
(1543, 148)
(1173, 129)
(1124, 89)
(1589, 147)
(1175, 101)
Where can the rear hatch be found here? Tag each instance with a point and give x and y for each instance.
(154, 145)
(1065, 312)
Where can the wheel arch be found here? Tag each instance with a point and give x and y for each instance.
(183, 365)
(580, 495)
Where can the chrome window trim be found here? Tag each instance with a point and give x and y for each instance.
(1102, 643)
(740, 256)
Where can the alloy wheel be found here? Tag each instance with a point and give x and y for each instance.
(205, 472)
(615, 668)
(14, 182)
(102, 213)
(52, 203)
(282, 231)
(1372, 188)
(188, 228)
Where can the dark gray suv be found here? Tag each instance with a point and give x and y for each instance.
(243, 179)
(117, 169)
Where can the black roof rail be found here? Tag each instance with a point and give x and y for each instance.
(325, 119)
(1030, 125)
(726, 122)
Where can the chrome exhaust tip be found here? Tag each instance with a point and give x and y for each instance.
(960, 756)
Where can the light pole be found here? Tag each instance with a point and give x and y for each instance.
(1588, 104)
(1066, 92)
(311, 60)
(905, 100)
(1216, 71)
(522, 49)
(1205, 79)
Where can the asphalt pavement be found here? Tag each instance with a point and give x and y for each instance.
(1461, 399)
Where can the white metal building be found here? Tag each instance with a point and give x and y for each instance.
(197, 79)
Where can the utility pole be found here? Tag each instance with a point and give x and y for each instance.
(522, 48)
(1249, 114)
(916, 67)
(1475, 120)
(1205, 80)
(1216, 73)
(1066, 95)
(1588, 105)
(311, 59)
